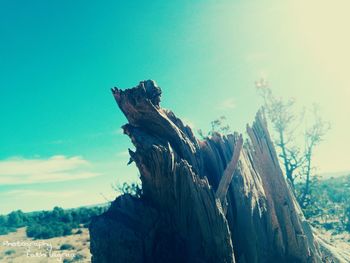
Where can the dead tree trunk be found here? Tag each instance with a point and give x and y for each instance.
(179, 218)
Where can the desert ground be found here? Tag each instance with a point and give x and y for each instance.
(16, 247)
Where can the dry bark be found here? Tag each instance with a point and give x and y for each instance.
(226, 179)
(179, 218)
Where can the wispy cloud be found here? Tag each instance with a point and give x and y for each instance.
(41, 194)
(227, 104)
(55, 169)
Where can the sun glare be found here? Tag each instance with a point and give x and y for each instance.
(323, 27)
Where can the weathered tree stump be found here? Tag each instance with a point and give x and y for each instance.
(182, 216)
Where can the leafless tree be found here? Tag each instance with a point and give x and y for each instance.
(282, 116)
(285, 120)
(313, 136)
(218, 125)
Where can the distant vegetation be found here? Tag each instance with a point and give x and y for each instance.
(133, 189)
(218, 125)
(48, 224)
(330, 204)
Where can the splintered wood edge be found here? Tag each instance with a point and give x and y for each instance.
(229, 171)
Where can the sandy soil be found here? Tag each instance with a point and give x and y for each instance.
(33, 251)
(342, 240)
(339, 244)
(18, 248)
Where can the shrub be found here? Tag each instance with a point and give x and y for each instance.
(49, 230)
(4, 230)
(48, 224)
(66, 246)
(133, 189)
(328, 226)
(10, 252)
(16, 219)
(78, 257)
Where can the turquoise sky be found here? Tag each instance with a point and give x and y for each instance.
(60, 138)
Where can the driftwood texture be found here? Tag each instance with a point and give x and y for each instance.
(181, 216)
